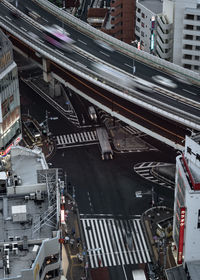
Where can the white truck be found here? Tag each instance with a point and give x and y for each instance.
(106, 150)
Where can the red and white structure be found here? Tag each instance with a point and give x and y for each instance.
(186, 228)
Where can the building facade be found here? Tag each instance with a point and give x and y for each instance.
(120, 20)
(187, 34)
(10, 119)
(153, 28)
(186, 228)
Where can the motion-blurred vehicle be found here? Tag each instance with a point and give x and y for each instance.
(113, 75)
(57, 37)
(105, 45)
(120, 78)
(164, 81)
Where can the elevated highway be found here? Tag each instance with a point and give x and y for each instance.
(162, 112)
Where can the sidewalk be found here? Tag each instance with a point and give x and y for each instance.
(74, 243)
(157, 225)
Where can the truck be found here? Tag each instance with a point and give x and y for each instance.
(106, 150)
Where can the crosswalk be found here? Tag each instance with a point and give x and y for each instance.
(76, 138)
(106, 242)
(145, 170)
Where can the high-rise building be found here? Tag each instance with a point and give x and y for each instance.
(170, 29)
(10, 120)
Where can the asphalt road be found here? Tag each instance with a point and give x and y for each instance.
(100, 187)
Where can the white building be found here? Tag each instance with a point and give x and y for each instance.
(186, 46)
(10, 123)
(175, 35)
(30, 218)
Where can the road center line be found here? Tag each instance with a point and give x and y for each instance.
(189, 91)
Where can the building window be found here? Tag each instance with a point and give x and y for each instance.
(198, 38)
(198, 48)
(137, 28)
(196, 67)
(198, 27)
(142, 24)
(142, 33)
(187, 56)
(198, 17)
(188, 47)
(143, 15)
(198, 221)
(188, 37)
(189, 27)
(187, 66)
(190, 17)
(196, 57)
(139, 10)
(138, 19)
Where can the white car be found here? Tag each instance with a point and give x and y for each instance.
(104, 45)
(164, 81)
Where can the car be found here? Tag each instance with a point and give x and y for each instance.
(92, 113)
(104, 45)
(164, 81)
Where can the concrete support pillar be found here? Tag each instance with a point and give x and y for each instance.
(54, 88)
(46, 70)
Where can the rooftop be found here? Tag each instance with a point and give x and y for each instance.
(27, 211)
(153, 5)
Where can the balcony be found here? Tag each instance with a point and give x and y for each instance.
(162, 21)
(164, 36)
(162, 44)
(162, 54)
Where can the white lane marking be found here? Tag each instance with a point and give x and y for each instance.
(140, 243)
(189, 91)
(109, 242)
(104, 239)
(118, 242)
(96, 243)
(23, 28)
(128, 65)
(85, 224)
(45, 19)
(82, 42)
(143, 240)
(58, 139)
(65, 139)
(59, 52)
(105, 54)
(8, 18)
(101, 244)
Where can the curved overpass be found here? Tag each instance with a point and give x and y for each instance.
(161, 108)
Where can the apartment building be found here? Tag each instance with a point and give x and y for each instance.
(186, 43)
(10, 119)
(120, 20)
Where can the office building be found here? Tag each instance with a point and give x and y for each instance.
(187, 34)
(186, 224)
(10, 123)
(29, 217)
(170, 30)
